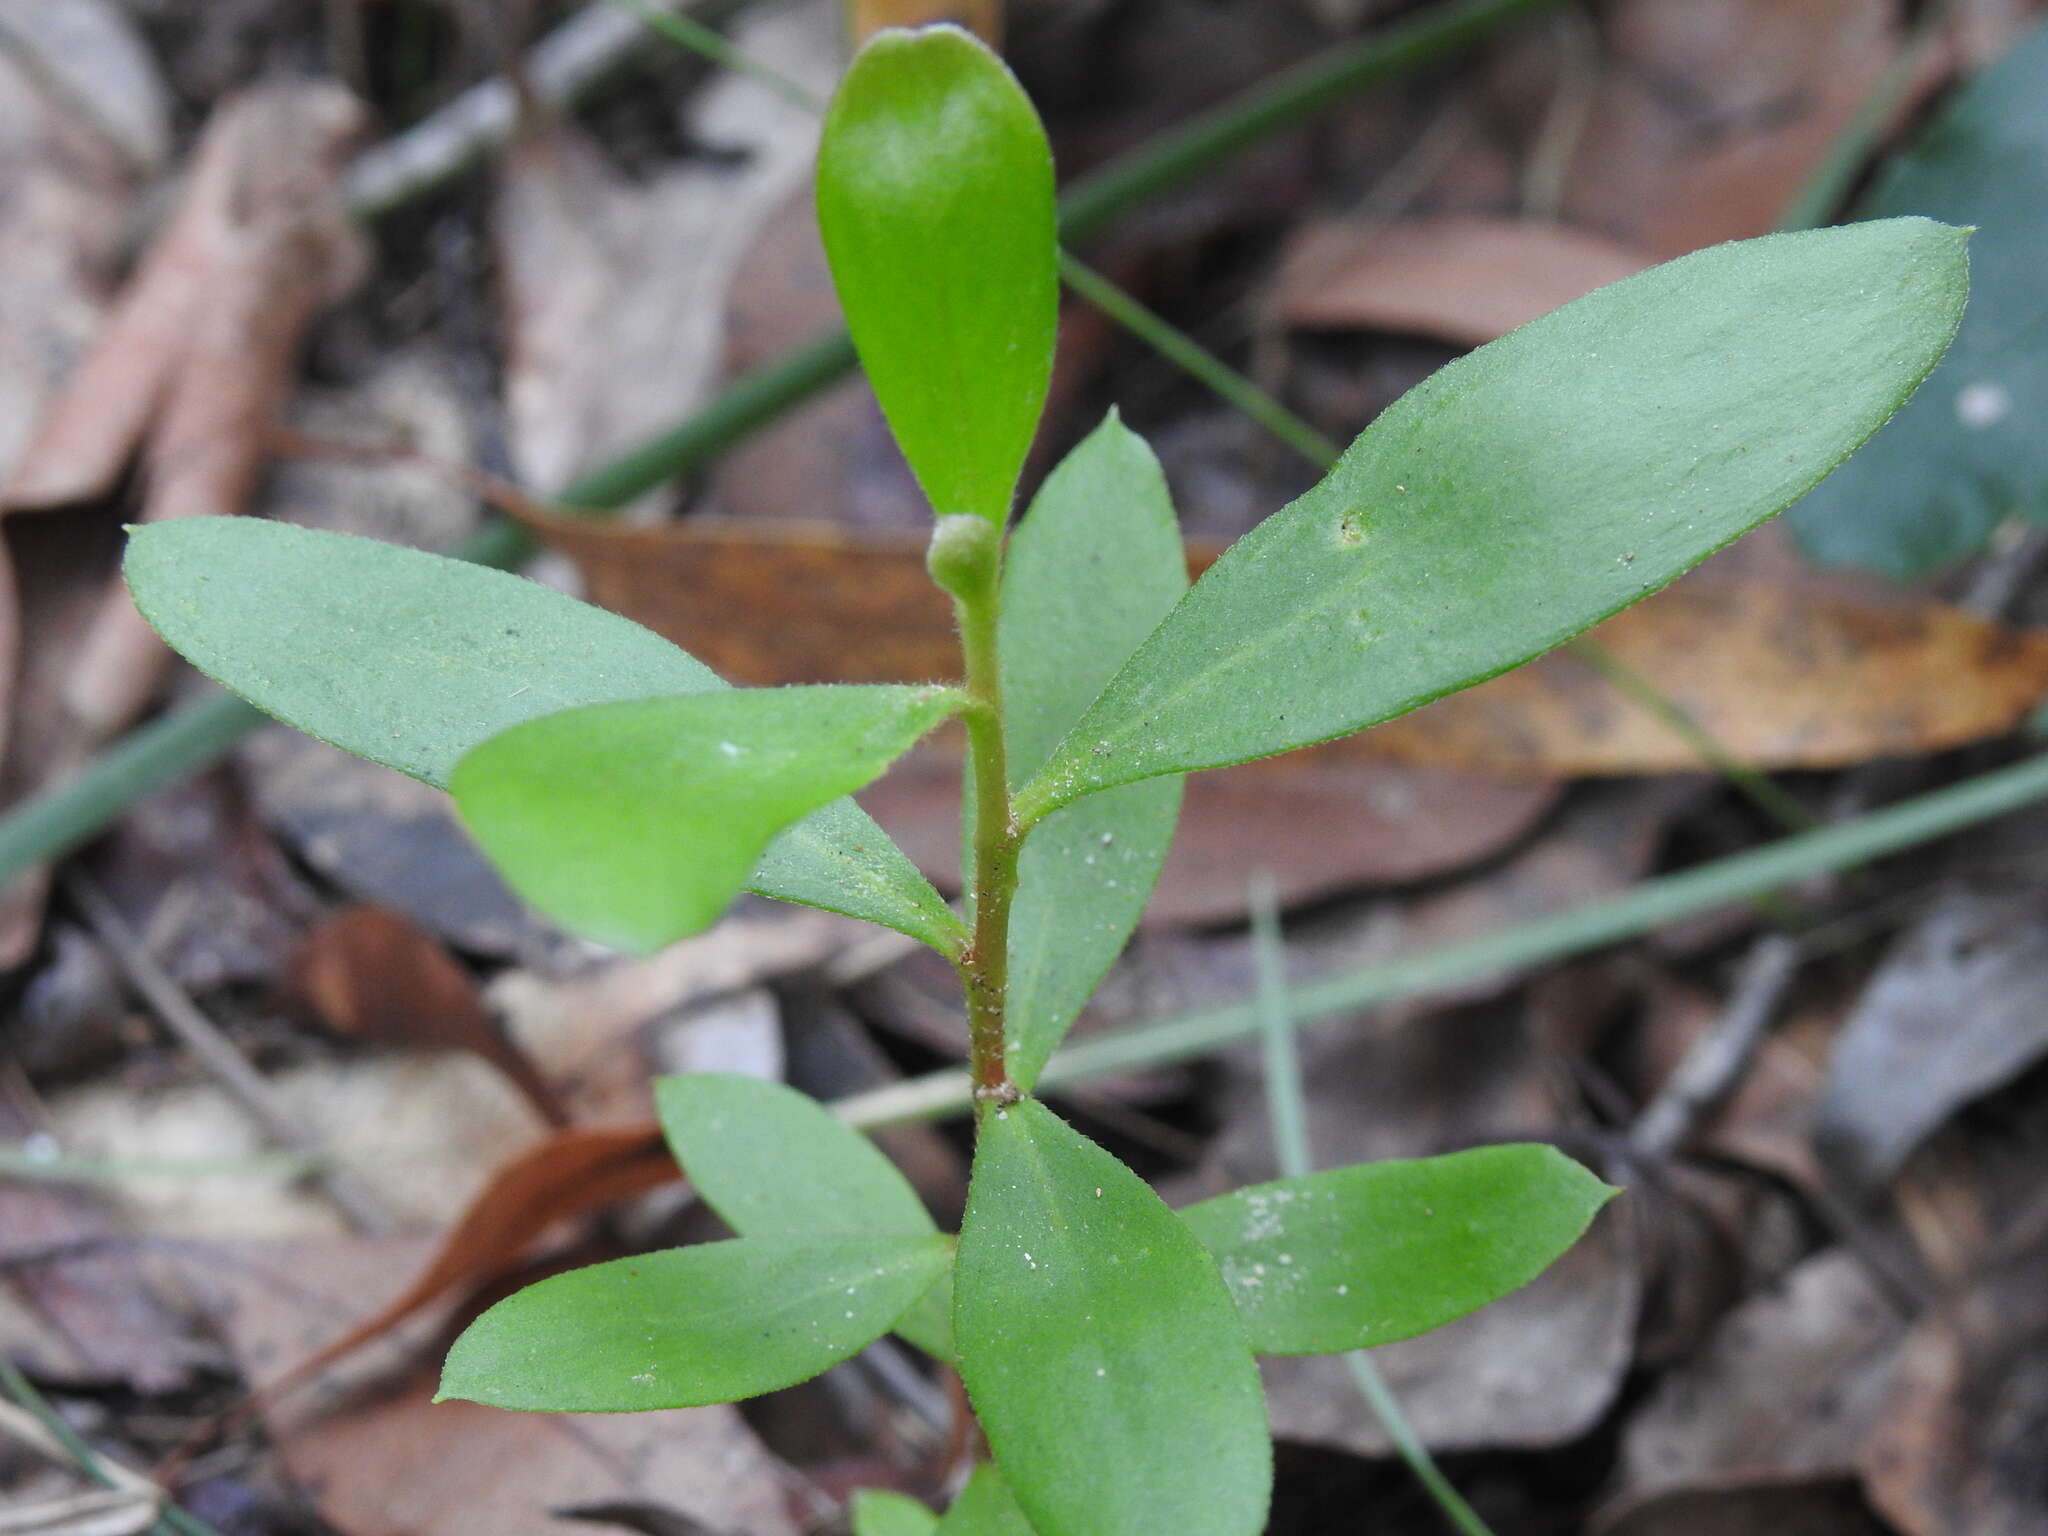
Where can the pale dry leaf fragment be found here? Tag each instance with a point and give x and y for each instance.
(88, 58)
(1467, 279)
(1786, 1391)
(612, 290)
(1953, 1012)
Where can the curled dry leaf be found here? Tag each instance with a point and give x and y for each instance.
(571, 1172)
(1466, 279)
(369, 974)
(193, 361)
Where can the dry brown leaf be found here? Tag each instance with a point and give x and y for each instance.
(1707, 119)
(384, 1460)
(570, 1172)
(1785, 673)
(1464, 279)
(984, 18)
(1785, 1392)
(1317, 824)
(1959, 1448)
(193, 361)
(371, 975)
(194, 358)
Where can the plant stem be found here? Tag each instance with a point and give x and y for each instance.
(1650, 904)
(984, 965)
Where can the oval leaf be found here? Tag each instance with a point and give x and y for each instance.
(1529, 490)
(637, 823)
(935, 202)
(1969, 451)
(689, 1326)
(1354, 1257)
(985, 1508)
(411, 660)
(774, 1162)
(1092, 569)
(1099, 1345)
(879, 1512)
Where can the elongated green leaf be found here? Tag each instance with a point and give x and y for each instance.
(1969, 450)
(1354, 1257)
(637, 823)
(935, 202)
(1100, 1347)
(879, 1512)
(1528, 491)
(1092, 569)
(411, 660)
(774, 1163)
(709, 1324)
(985, 1508)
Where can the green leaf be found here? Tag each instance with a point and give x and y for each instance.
(1527, 491)
(774, 1162)
(879, 1512)
(985, 1508)
(1969, 450)
(708, 1324)
(1092, 569)
(1354, 1257)
(410, 660)
(638, 823)
(935, 201)
(1100, 1347)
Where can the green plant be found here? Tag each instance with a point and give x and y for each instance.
(1107, 1342)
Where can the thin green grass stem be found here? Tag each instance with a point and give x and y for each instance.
(1286, 1103)
(1192, 358)
(688, 32)
(1373, 1387)
(1313, 86)
(171, 1519)
(1824, 190)
(1287, 1114)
